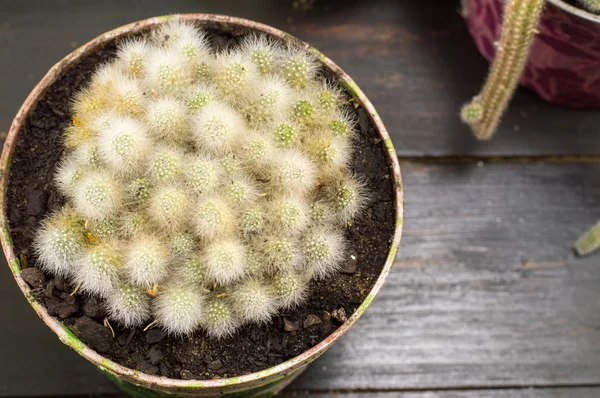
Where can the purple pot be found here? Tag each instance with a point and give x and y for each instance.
(564, 63)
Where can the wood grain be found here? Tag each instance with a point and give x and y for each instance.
(521, 393)
(486, 292)
(414, 59)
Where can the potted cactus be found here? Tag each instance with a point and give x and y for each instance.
(199, 204)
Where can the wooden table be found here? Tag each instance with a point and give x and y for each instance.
(486, 299)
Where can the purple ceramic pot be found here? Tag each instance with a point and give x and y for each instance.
(564, 63)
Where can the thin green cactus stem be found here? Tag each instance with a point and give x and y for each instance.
(589, 242)
(518, 31)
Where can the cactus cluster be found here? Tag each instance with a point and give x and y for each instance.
(204, 189)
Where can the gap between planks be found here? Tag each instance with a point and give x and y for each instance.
(501, 159)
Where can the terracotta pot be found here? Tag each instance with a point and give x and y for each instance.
(563, 65)
(264, 383)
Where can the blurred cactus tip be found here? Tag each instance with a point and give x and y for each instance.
(471, 112)
(589, 241)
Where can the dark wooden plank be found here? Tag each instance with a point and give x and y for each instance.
(486, 292)
(508, 393)
(414, 59)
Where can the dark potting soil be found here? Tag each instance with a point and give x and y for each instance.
(31, 196)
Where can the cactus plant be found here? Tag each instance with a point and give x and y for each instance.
(203, 190)
(519, 23)
(591, 5)
(589, 241)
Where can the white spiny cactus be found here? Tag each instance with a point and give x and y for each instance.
(297, 67)
(292, 171)
(225, 261)
(262, 51)
(59, 240)
(129, 97)
(192, 270)
(202, 173)
(167, 164)
(124, 145)
(146, 261)
(97, 194)
(183, 245)
(169, 207)
(218, 128)
(213, 218)
(323, 250)
(290, 288)
(168, 120)
(203, 190)
(97, 270)
(219, 319)
(253, 301)
(132, 55)
(233, 74)
(166, 72)
(128, 304)
(179, 308)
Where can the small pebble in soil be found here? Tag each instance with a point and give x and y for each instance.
(155, 355)
(62, 309)
(326, 317)
(36, 202)
(94, 334)
(154, 336)
(49, 290)
(349, 265)
(339, 315)
(164, 369)
(148, 368)
(33, 276)
(60, 284)
(311, 320)
(93, 309)
(290, 326)
(215, 365)
(187, 375)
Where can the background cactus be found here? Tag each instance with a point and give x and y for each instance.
(519, 23)
(203, 190)
(591, 5)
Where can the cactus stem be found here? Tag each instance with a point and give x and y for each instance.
(75, 290)
(518, 30)
(150, 325)
(107, 325)
(589, 242)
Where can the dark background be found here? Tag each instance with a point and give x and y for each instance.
(486, 298)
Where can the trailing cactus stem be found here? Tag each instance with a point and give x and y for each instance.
(518, 30)
(589, 242)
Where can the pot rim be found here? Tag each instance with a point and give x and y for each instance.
(64, 334)
(580, 12)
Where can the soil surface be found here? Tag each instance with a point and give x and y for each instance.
(31, 196)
